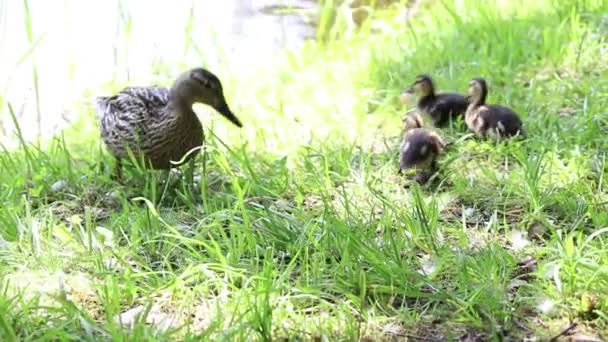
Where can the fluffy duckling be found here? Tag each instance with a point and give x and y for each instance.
(419, 149)
(485, 119)
(412, 120)
(158, 122)
(441, 107)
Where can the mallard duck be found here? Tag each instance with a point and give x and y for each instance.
(441, 107)
(158, 122)
(485, 119)
(419, 149)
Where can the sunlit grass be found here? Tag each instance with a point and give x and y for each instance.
(300, 227)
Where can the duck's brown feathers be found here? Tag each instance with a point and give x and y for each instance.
(494, 120)
(142, 119)
(442, 107)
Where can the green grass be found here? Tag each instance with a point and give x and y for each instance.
(300, 227)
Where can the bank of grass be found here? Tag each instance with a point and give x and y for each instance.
(302, 230)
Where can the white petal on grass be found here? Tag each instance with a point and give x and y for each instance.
(112, 194)
(518, 240)
(550, 271)
(107, 236)
(545, 306)
(444, 200)
(162, 321)
(36, 237)
(429, 265)
(59, 185)
(61, 283)
(556, 280)
(515, 283)
(468, 212)
(3, 243)
(393, 329)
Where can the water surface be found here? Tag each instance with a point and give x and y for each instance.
(79, 47)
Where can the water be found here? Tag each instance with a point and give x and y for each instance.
(79, 47)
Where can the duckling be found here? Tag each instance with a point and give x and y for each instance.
(410, 121)
(485, 119)
(441, 107)
(419, 149)
(158, 122)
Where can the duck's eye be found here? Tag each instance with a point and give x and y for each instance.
(204, 81)
(423, 150)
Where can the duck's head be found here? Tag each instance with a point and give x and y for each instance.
(202, 86)
(412, 120)
(478, 91)
(423, 85)
(418, 151)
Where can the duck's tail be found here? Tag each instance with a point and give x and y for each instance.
(101, 106)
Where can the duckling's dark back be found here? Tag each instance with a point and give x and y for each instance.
(417, 149)
(443, 106)
(504, 119)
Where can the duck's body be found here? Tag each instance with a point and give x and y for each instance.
(490, 119)
(410, 121)
(419, 149)
(158, 123)
(494, 119)
(443, 107)
(142, 119)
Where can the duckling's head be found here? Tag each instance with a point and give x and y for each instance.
(478, 91)
(412, 120)
(202, 86)
(418, 150)
(423, 85)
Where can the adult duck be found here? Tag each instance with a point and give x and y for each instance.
(158, 123)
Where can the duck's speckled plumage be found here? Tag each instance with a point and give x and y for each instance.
(140, 117)
(160, 122)
(490, 119)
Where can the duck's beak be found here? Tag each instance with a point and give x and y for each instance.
(223, 109)
(406, 94)
(407, 171)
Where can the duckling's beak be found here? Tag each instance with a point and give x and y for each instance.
(223, 109)
(407, 171)
(406, 94)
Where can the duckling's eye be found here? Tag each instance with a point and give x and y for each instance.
(423, 150)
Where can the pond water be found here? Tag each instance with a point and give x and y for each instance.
(77, 47)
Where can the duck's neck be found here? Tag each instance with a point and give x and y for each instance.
(178, 102)
(474, 104)
(426, 99)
